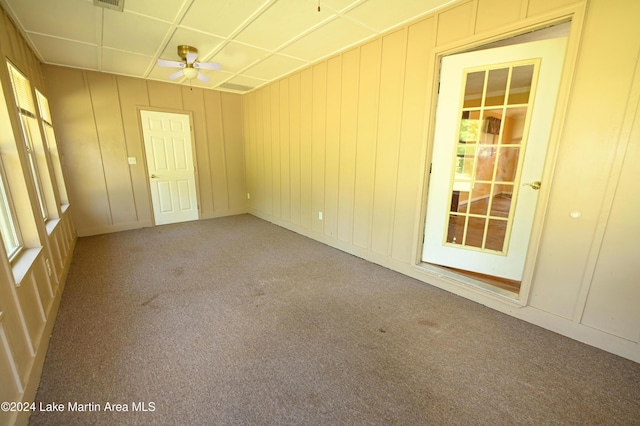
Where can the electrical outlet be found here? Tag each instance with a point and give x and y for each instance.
(46, 261)
(132, 160)
(319, 215)
(248, 196)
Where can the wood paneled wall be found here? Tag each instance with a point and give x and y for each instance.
(350, 138)
(97, 119)
(31, 286)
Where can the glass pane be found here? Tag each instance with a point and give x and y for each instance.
(469, 128)
(475, 232)
(491, 126)
(7, 225)
(514, 125)
(455, 201)
(500, 203)
(496, 232)
(507, 164)
(520, 89)
(464, 161)
(456, 228)
(473, 89)
(496, 87)
(480, 198)
(486, 162)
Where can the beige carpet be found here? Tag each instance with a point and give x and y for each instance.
(238, 321)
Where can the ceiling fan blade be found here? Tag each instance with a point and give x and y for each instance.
(203, 78)
(176, 75)
(172, 64)
(207, 65)
(191, 56)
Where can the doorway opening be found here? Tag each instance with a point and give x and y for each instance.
(495, 109)
(169, 155)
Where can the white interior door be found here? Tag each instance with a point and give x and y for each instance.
(167, 141)
(493, 121)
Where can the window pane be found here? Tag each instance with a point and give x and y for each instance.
(8, 229)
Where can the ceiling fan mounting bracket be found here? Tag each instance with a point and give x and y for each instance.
(183, 49)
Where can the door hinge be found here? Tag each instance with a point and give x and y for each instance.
(430, 167)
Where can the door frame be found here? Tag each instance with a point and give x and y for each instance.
(144, 154)
(456, 282)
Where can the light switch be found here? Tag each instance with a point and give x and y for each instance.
(132, 160)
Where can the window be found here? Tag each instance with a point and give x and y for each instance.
(52, 145)
(10, 233)
(31, 132)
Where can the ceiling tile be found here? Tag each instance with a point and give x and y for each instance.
(65, 52)
(203, 42)
(220, 17)
(117, 62)
(274, 67)
(284, 20)
(382, 15)
(45, 17)
(167, 10)
(339, 5)
(326, 40)
(133, 33)
(235, 56)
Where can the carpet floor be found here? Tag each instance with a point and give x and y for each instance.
(238, 321)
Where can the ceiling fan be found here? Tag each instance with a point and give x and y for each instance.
(188, 64)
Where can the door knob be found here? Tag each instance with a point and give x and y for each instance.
(535, 184)
(154, 176)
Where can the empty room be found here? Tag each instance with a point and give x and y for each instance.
(319, 212)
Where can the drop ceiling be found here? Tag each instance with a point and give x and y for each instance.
(255, 41)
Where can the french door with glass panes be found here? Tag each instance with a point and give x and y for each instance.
(493, 122)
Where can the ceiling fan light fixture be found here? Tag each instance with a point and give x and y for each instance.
(190, 72)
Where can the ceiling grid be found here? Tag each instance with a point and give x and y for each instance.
(255, 41)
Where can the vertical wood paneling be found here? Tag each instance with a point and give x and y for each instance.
(390, 113)
(420, 36)
(216, 173)
(232, 114)
(163, 95)
(510, 11)
(584, 158)
(456, 23)
(32, 311)
(615, 279)
(294, 148)
(11, 385)
(268, 152)
(306, 123)
(348, 137)
(17, 341)
(82, 160)
(193, 101)
(28, 308)
(275, 148)
(318, 135)
(98, 120)
(259, 137)
(132, 93)
(285, 151)
(537, 7)
(332, 150)
(251, 148)
(369, 95)
(108, 121)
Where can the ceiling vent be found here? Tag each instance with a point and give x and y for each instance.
(110, 4)
(237, 87)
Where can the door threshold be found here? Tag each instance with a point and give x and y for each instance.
(497, 286)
